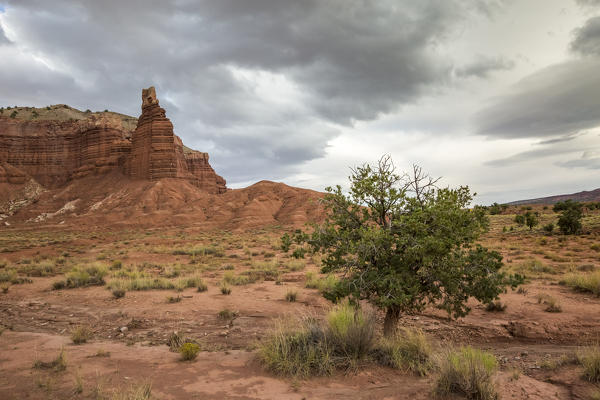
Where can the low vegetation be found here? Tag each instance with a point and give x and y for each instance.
(589, 358)
(291, 296)
(90, 275)
(344, 340)
(57, 365)
(583, 282)
(408, 349)
(81, 334)
(467, 372)
(189, 351)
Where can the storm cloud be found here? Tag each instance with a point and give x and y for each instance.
(265, 80)
(555, 101)
(278, 89)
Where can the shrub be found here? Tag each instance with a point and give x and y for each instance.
(81, 334)
(296, 265)
(408, 349)
(548, 228)
(189, 351)
(468, 372)
(583, 282)
(291, 296)
(589, 358)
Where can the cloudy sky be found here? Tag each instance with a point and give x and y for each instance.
(501, 95)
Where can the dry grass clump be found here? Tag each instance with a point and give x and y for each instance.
(297, 349)
(589, 358)
(322, 284)
(174, 299)
(135, 392)
(90, 275)
(409, 350)
(467, 372)
(227, 314)
(291, 296)
(57, 365)
(225, 289)
(583, 282)
(495, 306)
(343, 340)
(552, 304)
(81, 334)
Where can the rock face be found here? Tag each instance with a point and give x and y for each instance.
(57, 152)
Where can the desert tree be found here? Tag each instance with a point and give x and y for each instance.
(402, 243)
(569, 221)
(531, 219)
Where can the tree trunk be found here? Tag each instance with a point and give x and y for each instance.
(392, 315)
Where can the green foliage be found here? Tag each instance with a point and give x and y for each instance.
(496, 208)
(531, 219)
(286, 242)
(189, 351)
(408, 349)
(548, 228)
(403, 243)
(520, 219)
(468, 372)
(14, 114)
(569, 221)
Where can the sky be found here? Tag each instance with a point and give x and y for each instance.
(499, 95)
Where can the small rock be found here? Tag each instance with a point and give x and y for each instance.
(124, 329)
(517, 358)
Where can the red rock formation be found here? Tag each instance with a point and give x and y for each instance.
(54, 153)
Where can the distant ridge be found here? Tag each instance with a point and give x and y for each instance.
(585, 196)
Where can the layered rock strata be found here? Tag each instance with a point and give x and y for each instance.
(54, 153)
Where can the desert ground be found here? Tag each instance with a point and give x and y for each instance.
(184, 271)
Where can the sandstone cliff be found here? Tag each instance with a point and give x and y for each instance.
(57, 151)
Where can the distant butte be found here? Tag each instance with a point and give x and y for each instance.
(55, 152)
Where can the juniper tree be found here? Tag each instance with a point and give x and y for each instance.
(403, 243)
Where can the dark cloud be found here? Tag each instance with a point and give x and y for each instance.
(330, 61)
(484, 66)
(587, 38)
(555, 101)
